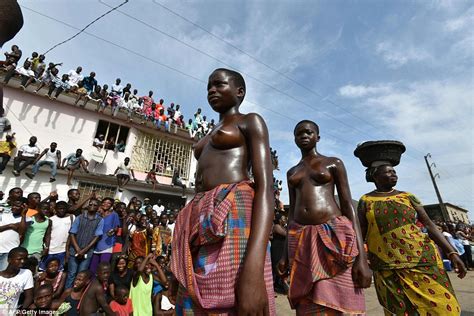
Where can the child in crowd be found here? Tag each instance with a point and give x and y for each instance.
(53, 276)
(94, 296)
(122, 305)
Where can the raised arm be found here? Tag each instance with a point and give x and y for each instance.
(251, 292)
(361, 273)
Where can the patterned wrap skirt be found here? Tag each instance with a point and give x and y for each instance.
(209, 244)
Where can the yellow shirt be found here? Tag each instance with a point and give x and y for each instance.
(5, 147)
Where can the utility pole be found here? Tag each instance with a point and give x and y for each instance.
(444, 211)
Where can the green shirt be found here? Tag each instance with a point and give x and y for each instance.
(34, 236)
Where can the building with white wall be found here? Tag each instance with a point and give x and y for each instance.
(73, 127)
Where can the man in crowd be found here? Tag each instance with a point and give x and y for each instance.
(61, 223)
(52, 158)
(33, 200)
(27, 154)
(12, 227)
(84, 234)
(15, 281)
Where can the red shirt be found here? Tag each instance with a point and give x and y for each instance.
(122, 310)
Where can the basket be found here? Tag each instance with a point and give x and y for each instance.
(380, 150)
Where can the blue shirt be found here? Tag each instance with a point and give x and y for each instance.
(86, 230)
(111, 221)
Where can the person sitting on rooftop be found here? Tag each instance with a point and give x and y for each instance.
(48, 75)
(148, 112)
(127, 89)
(170, 111)
(72, 162)
(52, 158)
(24, 71)
(59, 86)
(33, 56)
(162, 119)
(147, 100)
(190, 128)
(115, 95)
(27, 154)
(90, 82)
(12, 58)
(81, 93)
(74, 78)
(38, 66)
(38, 62)
(104, 94)
(99, 141)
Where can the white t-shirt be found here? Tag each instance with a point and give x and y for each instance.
(25, 72)
(125, 170)
(9, 238)
(158, 209)
(177, 114)
(74, 77)
(59, 233)
(11, 289)
(29, 151)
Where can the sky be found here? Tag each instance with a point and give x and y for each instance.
(363, 70)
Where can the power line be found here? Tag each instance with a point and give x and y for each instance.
(285, 116)
(85, 27)
(264, 64)
(230, 66)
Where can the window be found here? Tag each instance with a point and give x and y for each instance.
(86, 188)
(113, 134)
(162, 155)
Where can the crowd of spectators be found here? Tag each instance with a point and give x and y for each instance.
(459, 235)
(85, 89)
(85, 254)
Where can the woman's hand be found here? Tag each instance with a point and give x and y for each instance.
(458, 265)
(251, 293)
(361, 274)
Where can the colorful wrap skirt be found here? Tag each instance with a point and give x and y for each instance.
(425, 291)
(321, 258)
(209, 244)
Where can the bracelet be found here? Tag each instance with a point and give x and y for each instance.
(451, 253)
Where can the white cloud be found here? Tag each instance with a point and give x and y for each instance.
(358, 91)
(397, 55)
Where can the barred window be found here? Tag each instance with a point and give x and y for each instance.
(161, 154)
(86, 188)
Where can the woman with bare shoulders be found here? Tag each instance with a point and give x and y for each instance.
(408, 271)
(328, 265)
(220, 247)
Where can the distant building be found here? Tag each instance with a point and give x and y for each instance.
(455, 213)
